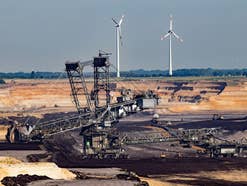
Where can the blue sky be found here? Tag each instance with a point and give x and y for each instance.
(42, 35)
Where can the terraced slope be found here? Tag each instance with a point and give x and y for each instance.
(232, 98)
(176, 96)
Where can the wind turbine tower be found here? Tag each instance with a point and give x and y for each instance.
(170, 34)
(118, 40)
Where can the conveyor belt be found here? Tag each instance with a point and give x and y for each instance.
(60, 125)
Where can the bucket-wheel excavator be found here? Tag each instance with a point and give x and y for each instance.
(97, 113)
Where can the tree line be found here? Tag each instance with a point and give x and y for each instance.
(131, 73)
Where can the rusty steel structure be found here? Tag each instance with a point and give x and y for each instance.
(79, 91)
(100, 138)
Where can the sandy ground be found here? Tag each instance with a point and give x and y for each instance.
(21, 155)
(3, 132)
(12, 167)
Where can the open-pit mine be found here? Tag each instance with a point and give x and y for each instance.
(124, 131)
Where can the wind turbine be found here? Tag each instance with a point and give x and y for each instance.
(118, 39)
(170, 34)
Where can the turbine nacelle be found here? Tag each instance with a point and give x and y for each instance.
(171, 33)
(118, 24)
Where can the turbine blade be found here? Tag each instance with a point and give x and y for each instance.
(120, 36)
(121, 40)
(121, 20)
(165, 36)
(171, 22)
(176, 36)
(115, 22)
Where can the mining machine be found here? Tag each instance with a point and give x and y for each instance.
(97, 113)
